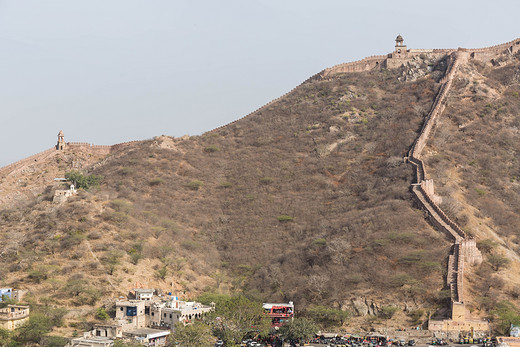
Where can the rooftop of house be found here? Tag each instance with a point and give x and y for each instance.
(144, 290)
(130, 302)
(270, 305)
(19, 307)
(89, 341)
(147, 332)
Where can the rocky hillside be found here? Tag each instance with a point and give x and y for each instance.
(307, 199)
(473, 157)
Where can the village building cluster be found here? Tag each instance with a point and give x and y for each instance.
(12, 316)
(144, 317)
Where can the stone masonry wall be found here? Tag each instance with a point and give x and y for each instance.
(70, 146)
(439, 218)
(365, 64)
(464, 249)
(4, 171)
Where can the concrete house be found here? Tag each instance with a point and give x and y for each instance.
(131, 313)
(13, 316)
(144, 294)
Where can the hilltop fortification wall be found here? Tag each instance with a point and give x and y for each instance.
(488, 53)
(378, 61)
(365, 64)
(84, 147)
(464, 250)
(4, 171)
(316, 76)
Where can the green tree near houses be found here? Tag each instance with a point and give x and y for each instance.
(83, 181)
(299, 330)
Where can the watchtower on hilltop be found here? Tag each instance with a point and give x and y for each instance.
(400, 48)
(400, 55)
(60, 146)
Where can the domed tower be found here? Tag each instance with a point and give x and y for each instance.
(400, 48)
(60, 146)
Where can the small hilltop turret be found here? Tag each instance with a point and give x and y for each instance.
(60, 146)
(400, 48)
(400, 54)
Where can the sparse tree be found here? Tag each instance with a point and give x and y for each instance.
(5, 337)
(486, 245)
(498, 261)
(416, 316)
(237, 317)
(505, 314)
(83, 181)
(218, 277)
(162, 272)
(34, 330)
(387, 312)
(299, 330)
(111, 259)
(328, 316)
(197, 334)
(102, 314)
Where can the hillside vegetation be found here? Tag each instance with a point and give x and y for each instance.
(474, 158)
(307, 199)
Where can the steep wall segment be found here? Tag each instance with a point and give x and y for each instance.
(69, 147)
(464, 250)
(4, 171)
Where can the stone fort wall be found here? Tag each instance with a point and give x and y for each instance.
(464, 251)
(318, 75)
(365, 64)
(379, 61)
(70, 146)
(4, 171)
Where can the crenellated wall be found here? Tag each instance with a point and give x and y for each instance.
(365, 64)
(464, 249)
(4, 171)
(70, 146)
(319, 75)
(370, 63)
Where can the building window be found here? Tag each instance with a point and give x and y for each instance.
(131, 311)
(170, 316)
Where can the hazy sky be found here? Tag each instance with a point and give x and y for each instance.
(108, 71)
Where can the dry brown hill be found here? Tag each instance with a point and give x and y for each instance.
(307, 199)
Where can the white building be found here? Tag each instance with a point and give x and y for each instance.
(144, 294)
(91, 342)
(174, 311)
(148, 337)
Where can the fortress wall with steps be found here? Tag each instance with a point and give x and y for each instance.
(366, 64)
(464, 246)
(464, 249)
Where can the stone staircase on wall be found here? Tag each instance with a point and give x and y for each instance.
(464, 249)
